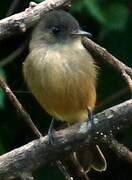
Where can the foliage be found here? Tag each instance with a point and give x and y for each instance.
(112, 16)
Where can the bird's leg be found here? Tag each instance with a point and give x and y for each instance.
(51, 132)
(51, 141)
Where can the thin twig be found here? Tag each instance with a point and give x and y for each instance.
(63, 170)
(120, 150)
(21, 111)
(98, 51)
(12, 7)
(75, 168)
(112, 98)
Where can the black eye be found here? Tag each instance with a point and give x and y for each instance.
(56, 30)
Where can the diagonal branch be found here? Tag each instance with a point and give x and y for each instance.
(21, 111)
(32, 155)
(120, 150)
(21, 21)
(100, 52)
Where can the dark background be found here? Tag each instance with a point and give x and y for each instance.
(110, 23)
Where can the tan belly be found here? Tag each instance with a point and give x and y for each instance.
(63, 87)
(69, 104)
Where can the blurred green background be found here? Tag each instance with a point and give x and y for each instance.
(110, 22)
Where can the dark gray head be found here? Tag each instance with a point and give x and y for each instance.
(56, 26)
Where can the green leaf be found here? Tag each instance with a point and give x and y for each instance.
(77, 6)
(94, 8)
(116, 16)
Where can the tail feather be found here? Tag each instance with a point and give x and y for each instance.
(92, 157)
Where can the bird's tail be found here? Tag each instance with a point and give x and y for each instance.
(92, 157)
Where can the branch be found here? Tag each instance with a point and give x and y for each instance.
(19, 108)
(120, 150)
(100, 52)
(20, 22)
(39, 152)
(112, 98)
(12, 7)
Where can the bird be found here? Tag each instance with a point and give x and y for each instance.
(62, 75)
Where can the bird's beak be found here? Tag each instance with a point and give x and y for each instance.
(81, 33)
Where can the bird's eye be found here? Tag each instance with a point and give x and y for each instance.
(56, 30)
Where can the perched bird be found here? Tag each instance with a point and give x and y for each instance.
(61, 74)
